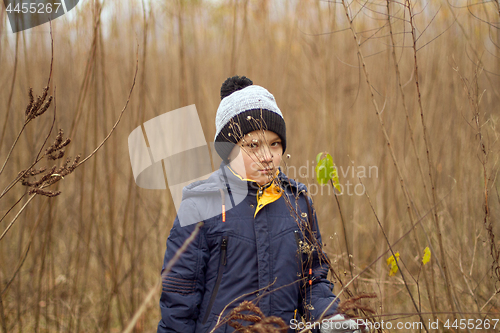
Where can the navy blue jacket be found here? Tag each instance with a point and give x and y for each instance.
(247, 257)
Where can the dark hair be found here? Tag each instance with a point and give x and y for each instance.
(233, 84)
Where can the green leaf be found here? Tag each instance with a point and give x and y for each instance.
(326, 171)
(318, 157)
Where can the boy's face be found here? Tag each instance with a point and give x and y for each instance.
(257, 156)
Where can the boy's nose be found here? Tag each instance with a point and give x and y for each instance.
(266, 156)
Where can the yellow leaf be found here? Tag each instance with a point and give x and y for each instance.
(392, 262)
(427, 255)
(335, 179)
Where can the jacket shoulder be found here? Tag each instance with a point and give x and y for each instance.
(200, 200)
(211, 184)
(292, 184)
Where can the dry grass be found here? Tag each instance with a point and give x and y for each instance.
(85, 260)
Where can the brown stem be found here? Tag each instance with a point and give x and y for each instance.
(45, 244)
(27, 248)
(15, 217)
(13, 146)
(37, 159)
(345, 287)
(232, 66)
(345, 235)
(119, 117)
(9, 101)
(449, 286)
(86, 80)
(410, 128)
(182, 57)
(381, 121)
(389, 244)
(3, 320)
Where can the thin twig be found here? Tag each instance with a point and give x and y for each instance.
(381, 255)
(388, 142)
(449, 286)
(29, 119)
(390, 248)
(119, 118)
(412, 139)
(17, 215)
(14, 75)
(345, 234)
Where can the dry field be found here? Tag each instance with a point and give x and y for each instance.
(404, 95)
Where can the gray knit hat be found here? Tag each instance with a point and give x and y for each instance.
(244, 110)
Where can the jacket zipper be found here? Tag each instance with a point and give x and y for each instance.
(261, 190)
(222, 263)
(299, 252)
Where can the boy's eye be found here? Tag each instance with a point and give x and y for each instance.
(255, 145)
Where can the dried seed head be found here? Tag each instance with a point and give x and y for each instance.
(46, 176)
(26, 182)
(65, 142)
(46, 193)
(66, 163)
(36, 172)
(37, 104)
(45, 91)
(59, 137)
(57, 156)
(261, 323)
(353, 304)
(34, 110)
(44, 107)
(57, 143)
(30, 104)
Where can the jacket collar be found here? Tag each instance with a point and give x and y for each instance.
(234, 180)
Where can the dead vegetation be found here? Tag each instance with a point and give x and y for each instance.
(409, 87)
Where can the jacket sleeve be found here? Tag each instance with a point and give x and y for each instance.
(318, 293)
(183, 286)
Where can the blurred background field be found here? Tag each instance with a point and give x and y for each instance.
(85, 260)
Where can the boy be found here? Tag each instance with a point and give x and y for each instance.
(259, 240)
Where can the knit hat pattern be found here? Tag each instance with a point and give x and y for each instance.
(246, 109)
